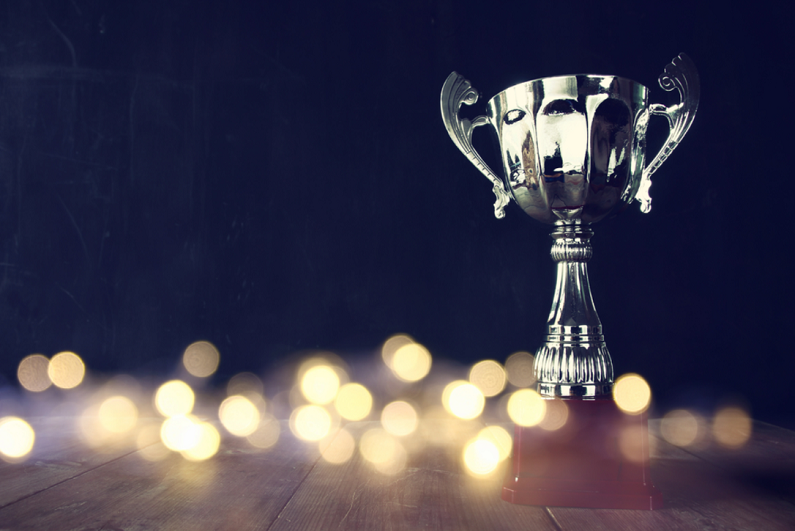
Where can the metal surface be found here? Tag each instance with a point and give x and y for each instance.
(573, 150)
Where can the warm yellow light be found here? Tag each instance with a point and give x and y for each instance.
(526, 407)
(339, 448)
(353, 402)
(399, 418)
(267, 433)
(180, 433)
(383, 451)
(519, 369)
(500, 438)
(488, 376)
(732, 427)
(310, 423)
(320, 384)
(174, 398)
(118, 414)
(481, 456)
(206, 446)
(244, 383)
(680, 427)
(463, 400)
(411, 362)
(391, 346)
(32, 373)
(239, 415)
(556, 415)
(201, 359)
(632, 394)
(16, 437)
(66, 370)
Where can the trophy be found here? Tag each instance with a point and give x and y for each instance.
(573, 150)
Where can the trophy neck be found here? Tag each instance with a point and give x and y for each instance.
(574, 361)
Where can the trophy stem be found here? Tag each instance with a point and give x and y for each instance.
(574, 360)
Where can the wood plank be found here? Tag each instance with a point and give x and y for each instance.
(431, 492)
(241, 488)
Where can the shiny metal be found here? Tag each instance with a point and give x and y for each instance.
(573, 150)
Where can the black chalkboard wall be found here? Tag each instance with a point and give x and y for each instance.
(275, 177)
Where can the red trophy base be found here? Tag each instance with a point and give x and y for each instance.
(598, 459)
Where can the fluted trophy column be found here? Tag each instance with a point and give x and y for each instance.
(574, 360)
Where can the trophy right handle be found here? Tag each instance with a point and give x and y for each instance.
(680, 74)
(456, 92)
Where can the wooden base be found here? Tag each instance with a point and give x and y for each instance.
(599, 459)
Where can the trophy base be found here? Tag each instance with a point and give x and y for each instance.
(598, 459)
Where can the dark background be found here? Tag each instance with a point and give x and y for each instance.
(275, 177)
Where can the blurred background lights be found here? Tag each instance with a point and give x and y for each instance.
(732, 427)
(501, 439)
(319, 384)
(180, 433)
(310, 423)
(174, 398)
(206, 445)
(681, 428)
(239, 416)
(463, 400)
(201, 359)
(556, 415)
(411, 362)
(118, 414)
(16, 437)
(339, 448)
(267, 433)
(526, 407)
(399, 418)
(519, 369)
(632, 394)
(66, 370)
(245, 384)
(632, 443)
(32, 373)
(353, 402)
(391, 346)
(488, 376)
(481, 456)
(383, 451)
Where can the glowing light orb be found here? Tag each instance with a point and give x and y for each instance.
(383, 451)
(519, 369)
(201, 359)
(391, 346)
(207, 444)
(16, 437)
(66, 370)
(399, 418)
(500, 438)
(411, 362)
(267, 433)
(245, 384)
(556, 416)
(632, 394)
(339, 448)
(174, 398)
(32, 373)
(353, 402)
(680, 427)
(526, 407)
(180, 433)
(118, 414)
(320, 384)
(481, 456)
(463, 400)
(310, 423)
(239, 415)
(732, 427)
(488, 376)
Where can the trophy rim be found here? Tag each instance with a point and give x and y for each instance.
(548, 78)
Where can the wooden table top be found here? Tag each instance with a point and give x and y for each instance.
(64, 485)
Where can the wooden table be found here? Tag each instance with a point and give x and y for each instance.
(65, 485)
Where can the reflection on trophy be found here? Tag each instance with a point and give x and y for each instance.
(573, 150)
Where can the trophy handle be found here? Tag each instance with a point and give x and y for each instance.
(679, 74)
(457, 91)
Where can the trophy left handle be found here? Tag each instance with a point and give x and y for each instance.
(680, 74)
(456, 92)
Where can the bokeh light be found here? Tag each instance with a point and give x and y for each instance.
(682, 428)
(239, 415)
(118, 414)
(207, 443)
(732, 427)
(353, 402)
(339, 448)
(16, 438)
(391, 346)
(383, 451)
(488, 376)
(319, 384)
(632, 394)
(556, 416)
(32, 373)
(481, 456)
(66, 370)
(399, 418)
(463, 400)
(267, 433)
(245, 384)
(201, 359)
(519, 369)
(500, 438)
(174, 398)
(526, 407)
(310, 423)
(180, 433)
(411, 362)
(632, 443)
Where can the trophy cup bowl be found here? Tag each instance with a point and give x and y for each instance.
(573, 150)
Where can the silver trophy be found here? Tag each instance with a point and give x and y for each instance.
(573, 150)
